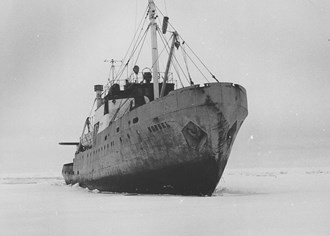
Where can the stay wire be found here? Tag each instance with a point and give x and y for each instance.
(144, 38)
(159, 54)
(139, 29)
(195, 64)
(162, 37)
(134, 50)
(184, 55)
(184, 74)
(213, 76)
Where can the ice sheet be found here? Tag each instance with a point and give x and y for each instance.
(247, 202)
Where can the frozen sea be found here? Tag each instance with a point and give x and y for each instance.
(246, 202)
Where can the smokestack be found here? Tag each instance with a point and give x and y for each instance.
(98, 89)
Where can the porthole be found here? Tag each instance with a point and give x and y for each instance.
(135, 120)
(117, 129)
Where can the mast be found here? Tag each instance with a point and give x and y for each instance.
(154, 49)
(175, 36)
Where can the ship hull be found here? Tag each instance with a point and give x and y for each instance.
(179, 145)
(197, 178)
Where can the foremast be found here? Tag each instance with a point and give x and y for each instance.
(154, 48)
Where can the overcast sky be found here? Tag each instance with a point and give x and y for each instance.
(52, 53)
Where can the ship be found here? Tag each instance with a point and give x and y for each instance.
(147, 135)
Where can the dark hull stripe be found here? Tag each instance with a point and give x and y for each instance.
(197, 178)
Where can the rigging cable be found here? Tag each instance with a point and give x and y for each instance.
(184, 55)
(159, 54)
(143, 18)
(144, 38)
(162, 37)
(118, 109)
(213, 76)
(196, 65)
(121, 70)
(165, 6)
(134, 49)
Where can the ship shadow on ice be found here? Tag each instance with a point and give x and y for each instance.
(222, 192)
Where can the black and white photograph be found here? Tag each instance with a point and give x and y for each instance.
(163, 117)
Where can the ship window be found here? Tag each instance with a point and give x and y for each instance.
(128, 136)
(156, 127)
(163, 125)
(153, 129)
(167, 124)
(117, 129)
(129, 122)
(159, 126)
(105, 138)
(149, 129)
(78, 172)
(120, 139)
(135, 120)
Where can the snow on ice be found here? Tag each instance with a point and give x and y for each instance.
(247, 202)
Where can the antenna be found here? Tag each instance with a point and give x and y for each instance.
(112, 68)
